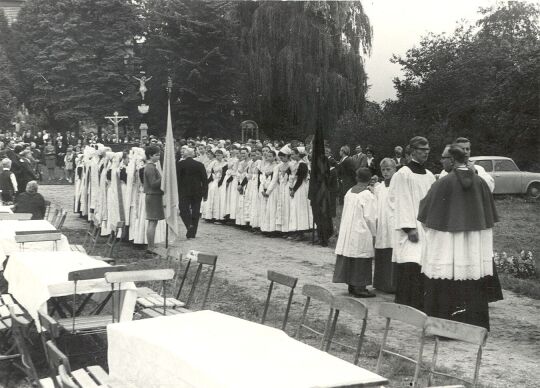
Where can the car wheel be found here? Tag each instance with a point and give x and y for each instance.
(533, 191)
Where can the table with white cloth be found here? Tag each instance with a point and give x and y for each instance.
(33, 278)
(208, 349)
(6, 209)
(8, 245)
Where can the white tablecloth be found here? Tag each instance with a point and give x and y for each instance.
(33, 278)
(207, 349)
(6, 209)
(8, 245)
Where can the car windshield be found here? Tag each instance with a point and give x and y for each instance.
(505, 165)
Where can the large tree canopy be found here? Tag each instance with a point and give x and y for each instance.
(290, 49)
(193, 42)
(480, 82)
(71, 55)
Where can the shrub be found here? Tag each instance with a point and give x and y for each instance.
(521, 266)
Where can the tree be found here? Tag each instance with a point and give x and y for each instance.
(292, 48)
(193, 42)
(480, 82)
(71, 58)
(8, 82)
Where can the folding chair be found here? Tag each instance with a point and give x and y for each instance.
(6, 302)
(148, 301)
(59, 224)
(19, 331)
(15, 216)
(47, 209)
(88, 324)
(62, 376)
(475, 335)
(51, 236)
(162, 275)
(113, 239)
(55, 215)
(312, 291)
(92, 235)
(411, 316)
(286, 280)
(360, 313)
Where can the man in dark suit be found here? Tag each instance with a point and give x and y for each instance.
(192, 188)
(359, 158)
(346, 172)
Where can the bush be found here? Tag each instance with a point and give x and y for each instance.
(522, 266)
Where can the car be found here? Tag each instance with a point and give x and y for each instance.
(508, 177)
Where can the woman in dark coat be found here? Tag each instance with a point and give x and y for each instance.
(50, 159)
(31, 202)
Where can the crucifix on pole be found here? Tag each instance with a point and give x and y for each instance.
(115, 119)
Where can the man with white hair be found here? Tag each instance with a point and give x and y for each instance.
(31, 202)
(192, 188)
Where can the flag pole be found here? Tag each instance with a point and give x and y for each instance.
(169, 89)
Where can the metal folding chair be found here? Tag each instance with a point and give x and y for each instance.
(408, 315)
(457, 331)
(321, 294)
(285, 280)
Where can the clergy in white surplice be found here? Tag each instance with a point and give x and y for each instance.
(458, 214)
(384, 273)
(408, 187)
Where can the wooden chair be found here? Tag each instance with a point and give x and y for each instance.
(458, 331)
(7, 302)
(92, 236)
(55, 215)
(19, 330)
(285, 280)
(62, 376)
(59, 223)
(408, 315)
(312, 291)
(47, 210)
(88, 324)
(359, 311)
(51, 236)
(162, 275)
(113, 239)
(148, 301)
(15, 216)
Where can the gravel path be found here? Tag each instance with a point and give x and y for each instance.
(511, 357)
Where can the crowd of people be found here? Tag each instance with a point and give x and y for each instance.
(428, 235)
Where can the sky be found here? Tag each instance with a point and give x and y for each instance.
(399, 25)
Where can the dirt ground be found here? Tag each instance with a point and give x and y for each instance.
(511, 357)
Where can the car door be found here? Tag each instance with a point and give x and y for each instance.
(507, 177)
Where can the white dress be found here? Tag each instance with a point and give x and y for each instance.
(273, 211)
(212, 209)
(208, 166)
(242, 201)
(231, 188)
(406, 191)
(253, 193)
(265, 179)
(300, 216)
(282, 221)
(358, 225)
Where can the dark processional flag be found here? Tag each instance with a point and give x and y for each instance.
(318, 193)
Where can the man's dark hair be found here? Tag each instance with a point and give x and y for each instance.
(363, 175)
(418, 141)
(457, 153)
(151, 150)
(461, 140)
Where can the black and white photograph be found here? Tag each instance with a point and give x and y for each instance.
(269, 194)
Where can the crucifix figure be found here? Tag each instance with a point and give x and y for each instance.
(142, 85)
(115, 119)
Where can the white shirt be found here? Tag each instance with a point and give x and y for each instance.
(358, 225)
(385, 218)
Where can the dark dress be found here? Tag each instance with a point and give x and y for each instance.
(154, 195)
